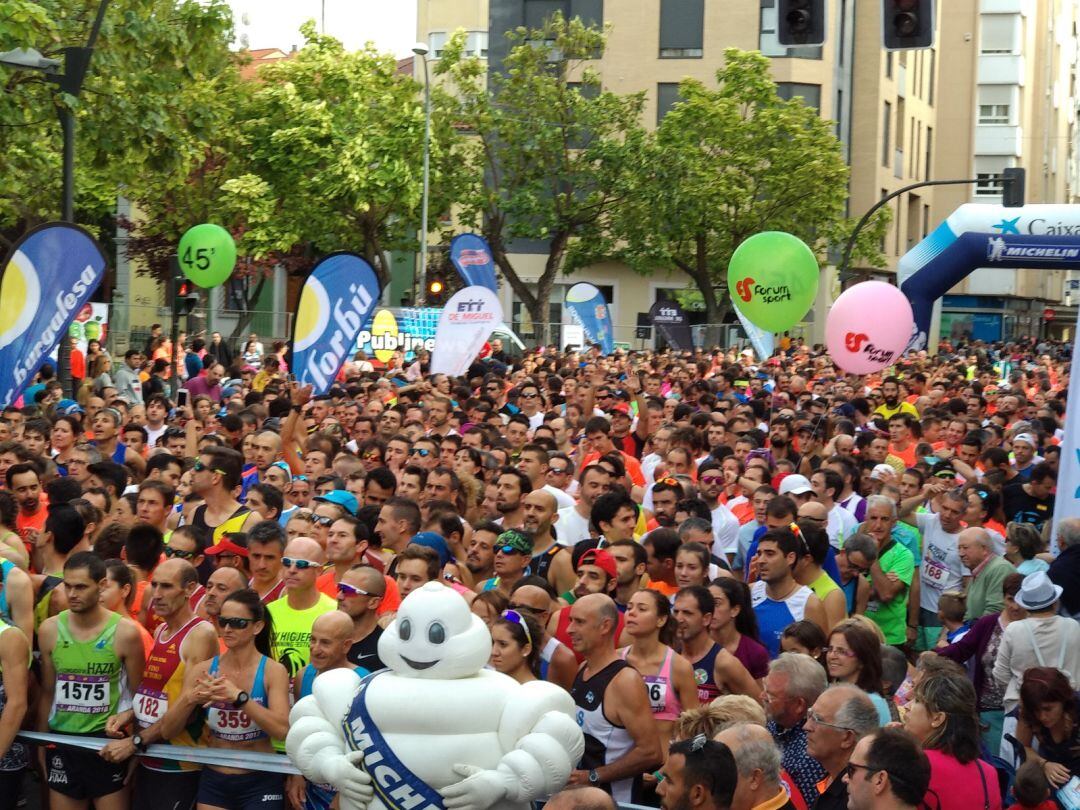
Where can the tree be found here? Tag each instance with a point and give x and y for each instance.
(549, 148)
(723, 165)
(146, 107)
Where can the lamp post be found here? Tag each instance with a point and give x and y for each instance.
(421, 50)
(75, 65)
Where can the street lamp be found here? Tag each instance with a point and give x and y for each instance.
(421, 50)
(76, 63)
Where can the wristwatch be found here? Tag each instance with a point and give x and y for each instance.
(241, 699)
(139, 743)
(594, 777)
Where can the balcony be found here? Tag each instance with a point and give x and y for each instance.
(999, 139)
(1001, 68)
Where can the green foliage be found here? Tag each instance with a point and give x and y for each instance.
(149, 104)
(549, 147)
(726, 163)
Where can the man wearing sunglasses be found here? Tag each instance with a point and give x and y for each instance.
(887, 771)
(359, 594)
(530, 402)
(302, 604)
(513, 554)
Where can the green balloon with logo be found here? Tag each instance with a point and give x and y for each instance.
(773, 280)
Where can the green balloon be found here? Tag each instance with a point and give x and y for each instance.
(207, 255)
(773, 280)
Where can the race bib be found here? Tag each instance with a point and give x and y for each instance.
(150, 706)
(83, 694)
(657, 694)
(935, 574)
(231, 724)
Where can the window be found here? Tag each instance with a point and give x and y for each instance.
(929, 151)
(930, 86)
(993, 113)
(998, 33)
(988, 171)
(538, 12)
(437, 43)
(809, 93)
(667, 96)
(476, 44)
(888, 64)
(682, 25)
(886, 136)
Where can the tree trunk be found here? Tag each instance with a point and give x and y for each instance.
(542, 310)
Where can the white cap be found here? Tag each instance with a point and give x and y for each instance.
(1024, 437)
(795, 485)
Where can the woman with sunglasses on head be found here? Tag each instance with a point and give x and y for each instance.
(245, 694)
(943, 718)
(854, 656)
(668, 676)
(1049, 716)
(118, 595)
(513, 648)
(983, 508)
(734, 625)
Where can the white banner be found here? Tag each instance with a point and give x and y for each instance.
(467, 321)
(1067, 502)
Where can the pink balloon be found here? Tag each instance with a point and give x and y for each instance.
(868, 327)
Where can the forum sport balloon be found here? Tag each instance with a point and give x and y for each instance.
(207, 255)
(868, 327)
(773, 279)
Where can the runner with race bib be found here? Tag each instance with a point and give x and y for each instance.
(246, 698)
(86, 651)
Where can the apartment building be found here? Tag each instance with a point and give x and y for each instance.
(902, 118)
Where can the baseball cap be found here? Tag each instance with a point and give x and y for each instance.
(601, 559)
(1025, 437)
(795, 484)
(68, 407)
(231, 543)
(513, 541)
(342, 497)
(433, 541)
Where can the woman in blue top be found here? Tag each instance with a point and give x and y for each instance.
(245, 694)
(854, 656)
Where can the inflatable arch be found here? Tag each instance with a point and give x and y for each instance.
(1032, 236)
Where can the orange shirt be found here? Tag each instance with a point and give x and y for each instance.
(907, 456)
(633, 466)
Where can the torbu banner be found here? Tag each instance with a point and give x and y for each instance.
(48, 277)
(670, 321)
(465, 323)
(338, 297)
(588, 308)
(472, 258)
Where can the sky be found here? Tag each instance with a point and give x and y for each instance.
(390, 24)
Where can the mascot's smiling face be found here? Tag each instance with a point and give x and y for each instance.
(435, 636)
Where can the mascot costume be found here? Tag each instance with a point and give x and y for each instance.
(435, 729)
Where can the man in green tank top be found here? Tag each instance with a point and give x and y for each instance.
(85, 651)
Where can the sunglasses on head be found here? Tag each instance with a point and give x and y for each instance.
(299, 565)
(183, 555)
(516, 618)
(234, 622)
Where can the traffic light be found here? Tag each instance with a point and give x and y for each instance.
(436, 289)
(185, 296)
(1013, 182)
(907, 24)
(800, 22)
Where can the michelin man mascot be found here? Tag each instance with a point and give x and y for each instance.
(435, 729)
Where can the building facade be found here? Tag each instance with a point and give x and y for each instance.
(997, 90)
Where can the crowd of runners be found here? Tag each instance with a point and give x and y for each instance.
(765, 583)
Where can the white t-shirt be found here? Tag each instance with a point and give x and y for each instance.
(571, 528)
(941, 569)
(842, 524)
(725, 528)
(153, 434)
(562, 499)
(648, 468)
